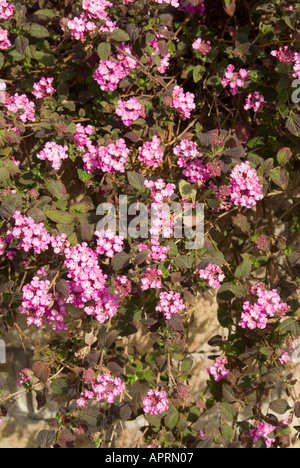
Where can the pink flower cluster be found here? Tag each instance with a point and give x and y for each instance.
(284, 54)
(170, 304)
(96, 8)
(202, 46)
(25, 377)
(43, 88)
(156, 402)
(213, 275)
(218, 370)
(173, 3)
(157, 251)
(267, 305)
(186, 151)
(151, 152)
(60, 243)
(79, 27)
(108, 243)
(88, 289)
(130, 110)
(54, 153)
(246, 189)
(110, 158)
(283, 357)
(122, 287)
(4, 41)
(113, 157)
(263, 431)
(161, 219)
(223, 194)
(110, 72)
(195, 171)
(235, 80)
(31, 235)
(151, 280)
(82, 135)
(104, 387)
(254, 101)
(6, 10)
(214, 168)
(159, 190)
(18, 103)
(36, 301)
(297, 65)
(164, 59)
(183, 102)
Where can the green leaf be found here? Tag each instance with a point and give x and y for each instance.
(120, 35)
(59, 217)
(244, 270)
(39, 31)
(284, 155)
(228, 412)
(280, 177)
(279, 406)
(227, 432)
(121, 260)
(104, 51)
(266, 351)
(60, 386)
(136, 180)
(184, 262)
(230, 290)
(187, 190)
(172, 419)
(290, 325)
(229, 393)
(4, 174)
(198, 73)
(56, 188)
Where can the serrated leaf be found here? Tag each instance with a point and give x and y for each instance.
(141, 257)
(38, 31)
(280, 177)
(121, 260)
(46, 439)
(184, 262)
(244, 270)
(290, 325)
(136, 180)
(59, 217)
(187, 190)
(171, 420)
(60, 386)
(66, 439)
(104, 51)
(229, 393)
(42, 371)
(228, 412)
(227, 432)
(284, 155)
(279, 406)
(120, 35)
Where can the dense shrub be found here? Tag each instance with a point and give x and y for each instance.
(163, 102)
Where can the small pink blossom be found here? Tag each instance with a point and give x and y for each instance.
(151, 152)
(156, 402)
(218, 370)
